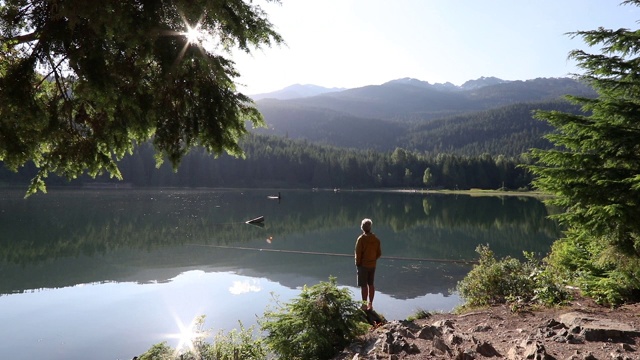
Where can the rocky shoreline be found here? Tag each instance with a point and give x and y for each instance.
(575, 332)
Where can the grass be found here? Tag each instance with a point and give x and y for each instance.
(419, 314)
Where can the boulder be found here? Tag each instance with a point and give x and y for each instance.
(596, 329)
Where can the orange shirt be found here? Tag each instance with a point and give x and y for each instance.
(367, 250)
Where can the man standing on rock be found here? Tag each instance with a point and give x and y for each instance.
(367, 253)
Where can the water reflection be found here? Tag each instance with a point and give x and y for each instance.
(73, 237)
(109, 273)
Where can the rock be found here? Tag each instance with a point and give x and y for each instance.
(467, 354)
(575, 330)
(402, 328)
(487, 350)
(574, 356)
(553, 324)
(440, 345)
(392, 341)
(627, 347)
(480, 328)
(512, 354)
(413, 349)
(429, 332)
(398, 345)
(443, 324)
(573, 339)
(455, 339)
(595, 329)
(534, 350)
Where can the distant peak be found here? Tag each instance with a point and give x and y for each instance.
(482, 82)
(295, 91)
(410, 81)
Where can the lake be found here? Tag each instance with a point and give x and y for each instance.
(105, 274)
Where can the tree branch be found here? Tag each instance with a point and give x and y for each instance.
(21, 39)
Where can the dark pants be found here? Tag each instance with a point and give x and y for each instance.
(365, 276)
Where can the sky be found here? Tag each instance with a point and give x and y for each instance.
(354, 43)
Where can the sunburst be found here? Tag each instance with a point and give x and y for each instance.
(197, 36)
(188, 336)
(194, 35)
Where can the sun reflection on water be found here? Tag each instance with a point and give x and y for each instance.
(189, 336)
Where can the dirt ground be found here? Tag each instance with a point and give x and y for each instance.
(473, 335)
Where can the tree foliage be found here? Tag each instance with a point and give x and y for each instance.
(278, 162)
(82, 84)
(595, 169)
(317, 324)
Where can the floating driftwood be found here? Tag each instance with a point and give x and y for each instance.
(258, 220)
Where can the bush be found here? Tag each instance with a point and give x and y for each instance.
(317, 324)
(236, 344)
(509, 280)
(160, 351)
(608, 276)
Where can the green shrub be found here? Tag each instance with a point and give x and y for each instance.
(509, 280)
(317, 324)
(419, 314)
(236, 344)
(548, 286)
(600, 272)
(160, 351)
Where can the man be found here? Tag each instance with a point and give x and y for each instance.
(367, 253)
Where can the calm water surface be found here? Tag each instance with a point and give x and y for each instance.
(104, 274)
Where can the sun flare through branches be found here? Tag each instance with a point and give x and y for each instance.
(194, 35)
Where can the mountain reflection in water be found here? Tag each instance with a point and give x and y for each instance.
(70, 237)
(112, 272)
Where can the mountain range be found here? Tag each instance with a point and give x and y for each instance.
(486, 115)
(295, 91)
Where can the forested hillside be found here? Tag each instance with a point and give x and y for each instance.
(279, 162)
(402, 134)
(509, 130)
(468, 120)
(330, 127)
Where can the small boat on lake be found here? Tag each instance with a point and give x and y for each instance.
(258, 220)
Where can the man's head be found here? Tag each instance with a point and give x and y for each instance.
(366, 225)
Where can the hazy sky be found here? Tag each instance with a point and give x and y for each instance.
(352, 43)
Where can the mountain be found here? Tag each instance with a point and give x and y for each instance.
(412, 101)
(425, 84)
(469, 85)
(483, 115)
(324, 126)
(295, 91)
(482, 82)
(509, 130)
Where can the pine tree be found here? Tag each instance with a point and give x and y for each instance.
(81, 84)
(594, 169)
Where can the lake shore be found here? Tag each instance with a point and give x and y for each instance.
(470, 192)
(580, 330)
